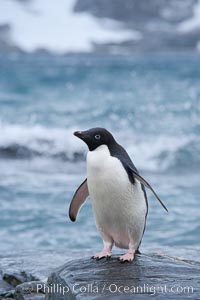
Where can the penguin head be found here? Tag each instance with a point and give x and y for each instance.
(95, 137)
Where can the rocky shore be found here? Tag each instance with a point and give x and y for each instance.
(53, 275)
(20, 273)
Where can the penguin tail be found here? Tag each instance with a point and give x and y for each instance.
(137, 251)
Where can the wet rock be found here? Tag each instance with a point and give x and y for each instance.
(31, 296)
(15, 278)
(24, 271)
(31, 287)
(163, 277)
(5, 288)
(30, 290)
(7, 294)
(26, 291)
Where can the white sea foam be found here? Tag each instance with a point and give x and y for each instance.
(42, 140)
(54, 26)
(157, 153)
(149, 153)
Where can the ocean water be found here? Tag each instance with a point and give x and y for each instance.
(152, 106)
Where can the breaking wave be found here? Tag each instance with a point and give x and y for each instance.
(162, 153)
(18, 142)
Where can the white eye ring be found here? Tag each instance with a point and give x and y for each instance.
(97, 136)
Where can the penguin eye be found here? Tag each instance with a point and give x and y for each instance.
(97, 136)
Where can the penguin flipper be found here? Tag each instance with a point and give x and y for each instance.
(78, 199)
(145, 183)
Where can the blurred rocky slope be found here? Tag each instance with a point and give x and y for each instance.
(161, 25)
(6, 43)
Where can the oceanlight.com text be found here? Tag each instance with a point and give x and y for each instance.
(114, 288)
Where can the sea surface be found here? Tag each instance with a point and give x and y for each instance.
(152, 106)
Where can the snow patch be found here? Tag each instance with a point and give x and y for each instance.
(53, 25)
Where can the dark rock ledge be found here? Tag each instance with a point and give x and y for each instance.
(149, 276)
(155, 276)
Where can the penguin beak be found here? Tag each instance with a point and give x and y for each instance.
(81, 135)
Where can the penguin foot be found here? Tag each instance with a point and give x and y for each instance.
(128, 257)
(103, 254)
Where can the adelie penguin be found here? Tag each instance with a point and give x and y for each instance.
(117, 193)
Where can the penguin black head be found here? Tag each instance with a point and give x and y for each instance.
(95, 137)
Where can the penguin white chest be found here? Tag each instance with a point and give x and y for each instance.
(119, 206)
